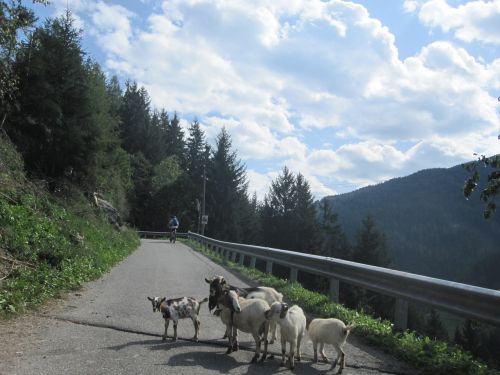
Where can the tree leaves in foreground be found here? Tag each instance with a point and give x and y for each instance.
(492, 188)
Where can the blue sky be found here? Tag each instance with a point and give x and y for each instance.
(347, 93)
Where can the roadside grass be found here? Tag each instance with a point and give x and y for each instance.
(428, 355)
(54, 251)
(47, 248)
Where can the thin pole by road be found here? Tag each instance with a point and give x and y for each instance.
(109, 327)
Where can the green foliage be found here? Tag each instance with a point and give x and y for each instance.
(226, 191)
(54, 116)
(49, 247)
(491, 189)
(166, 173)
(289, 215)
(16, 21)
(429, 355)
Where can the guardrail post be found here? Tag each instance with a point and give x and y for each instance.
(242, 259)
(233, 256)
(401, 314)
(334, 290)
(269, 266)
(293, 275)
(252, 262)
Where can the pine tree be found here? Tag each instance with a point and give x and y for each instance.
(334, 242)
(278, 212)
(55, 116)
(226, 191)
(289, 215)
(16, 21)
(175, 144)
(251, 222)
(434, 327)
(371, 246)
(112, 175)
(135, 119)
(197, 155)
(304, 220)
(371, 249)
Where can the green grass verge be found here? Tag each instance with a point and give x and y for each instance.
(48, 250)
(428, 355)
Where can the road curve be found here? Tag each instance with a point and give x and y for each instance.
(108, 327)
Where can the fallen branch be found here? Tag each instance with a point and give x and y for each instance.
(15, 261)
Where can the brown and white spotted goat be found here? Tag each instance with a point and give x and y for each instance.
(178, 308)
(218, 284)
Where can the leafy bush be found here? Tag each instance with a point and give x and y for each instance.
(429, 355)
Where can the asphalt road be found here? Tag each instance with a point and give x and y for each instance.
(109, 327)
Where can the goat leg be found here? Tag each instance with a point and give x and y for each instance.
(175, 331)
(342, 363)
(164, 337)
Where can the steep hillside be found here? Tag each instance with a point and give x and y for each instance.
(431, 228)
(49, 244)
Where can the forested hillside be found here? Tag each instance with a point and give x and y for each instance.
(430, 227)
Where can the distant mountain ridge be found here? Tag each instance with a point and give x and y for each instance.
(431, 228)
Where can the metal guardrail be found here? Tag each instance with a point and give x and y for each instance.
(152, 234)
(461, 299)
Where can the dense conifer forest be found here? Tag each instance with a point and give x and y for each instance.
(431, 229)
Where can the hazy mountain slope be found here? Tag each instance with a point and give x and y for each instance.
(431, 228)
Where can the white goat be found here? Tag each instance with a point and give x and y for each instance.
(178, 308)
(268, 294)
(247, 315)
(292, 323)
(329, 331)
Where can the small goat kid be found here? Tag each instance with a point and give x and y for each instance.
(292, 323)
(329, 331)
(247, 315)
(178, 308)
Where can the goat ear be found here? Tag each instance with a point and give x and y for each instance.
(149, 298)
(285, 306)
(163, 299)
(208, 281)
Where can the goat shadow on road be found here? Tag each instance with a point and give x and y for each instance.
(224, 363)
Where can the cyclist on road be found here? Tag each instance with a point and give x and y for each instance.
(173, 224)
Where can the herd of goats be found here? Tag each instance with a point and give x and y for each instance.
(257, 311)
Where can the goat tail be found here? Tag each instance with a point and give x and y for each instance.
(349, 328)
(200, 303)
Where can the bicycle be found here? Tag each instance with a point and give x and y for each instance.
(173, 234)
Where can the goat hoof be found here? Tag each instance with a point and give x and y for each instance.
(254, 359)
(174, 339)
(163, 338)
(263, 358)
(298, 358)
(271, 342)
(271, 356)
(229, 351)
(283, 364)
